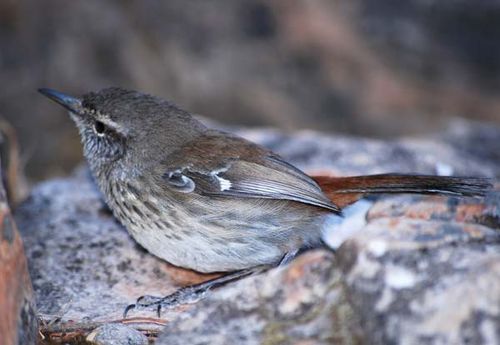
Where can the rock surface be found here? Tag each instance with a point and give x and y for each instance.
(419, 269)
(299, 303)
(426, 270)
(18, 317)
(116, 334)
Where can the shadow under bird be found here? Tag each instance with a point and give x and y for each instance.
(210, 201)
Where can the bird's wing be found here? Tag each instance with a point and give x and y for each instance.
(221, 165)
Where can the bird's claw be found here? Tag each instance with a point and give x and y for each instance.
(145, 302)
(127, 309)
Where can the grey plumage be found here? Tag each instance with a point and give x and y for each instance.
(208, 200)
(196, 197)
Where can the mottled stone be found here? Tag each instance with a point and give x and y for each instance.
(116, 334)
(427, 270)
(303, 302)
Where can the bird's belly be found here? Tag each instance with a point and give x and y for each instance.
(209, 236)
(195, 247)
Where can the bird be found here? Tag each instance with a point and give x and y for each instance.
(211, 201)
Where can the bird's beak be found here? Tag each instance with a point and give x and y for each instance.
(73, 104)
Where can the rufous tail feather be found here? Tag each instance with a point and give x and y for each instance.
(344, 191)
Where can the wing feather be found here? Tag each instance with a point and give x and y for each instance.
(244, 170)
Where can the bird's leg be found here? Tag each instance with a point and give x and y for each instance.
(191, 293)
(194, 293)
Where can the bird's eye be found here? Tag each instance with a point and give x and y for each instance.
(99, 127)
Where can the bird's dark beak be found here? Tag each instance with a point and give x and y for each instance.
(71, 103)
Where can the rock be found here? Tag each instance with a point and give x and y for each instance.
(18, 319)
(303, 302)
(427, 271)
(116, 334)
(417, 269)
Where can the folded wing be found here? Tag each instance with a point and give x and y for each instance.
(239, 169)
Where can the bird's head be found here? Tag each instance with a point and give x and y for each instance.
(118, 124)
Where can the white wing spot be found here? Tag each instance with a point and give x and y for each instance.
(224, 184)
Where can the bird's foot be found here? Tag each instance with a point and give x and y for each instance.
(188, 294)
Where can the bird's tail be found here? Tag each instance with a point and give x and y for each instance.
(344, 191)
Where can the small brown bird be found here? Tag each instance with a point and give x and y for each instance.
(211, 201)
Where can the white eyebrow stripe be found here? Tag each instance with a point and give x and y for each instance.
(110, 123)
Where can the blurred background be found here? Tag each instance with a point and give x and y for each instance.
(371, 68)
